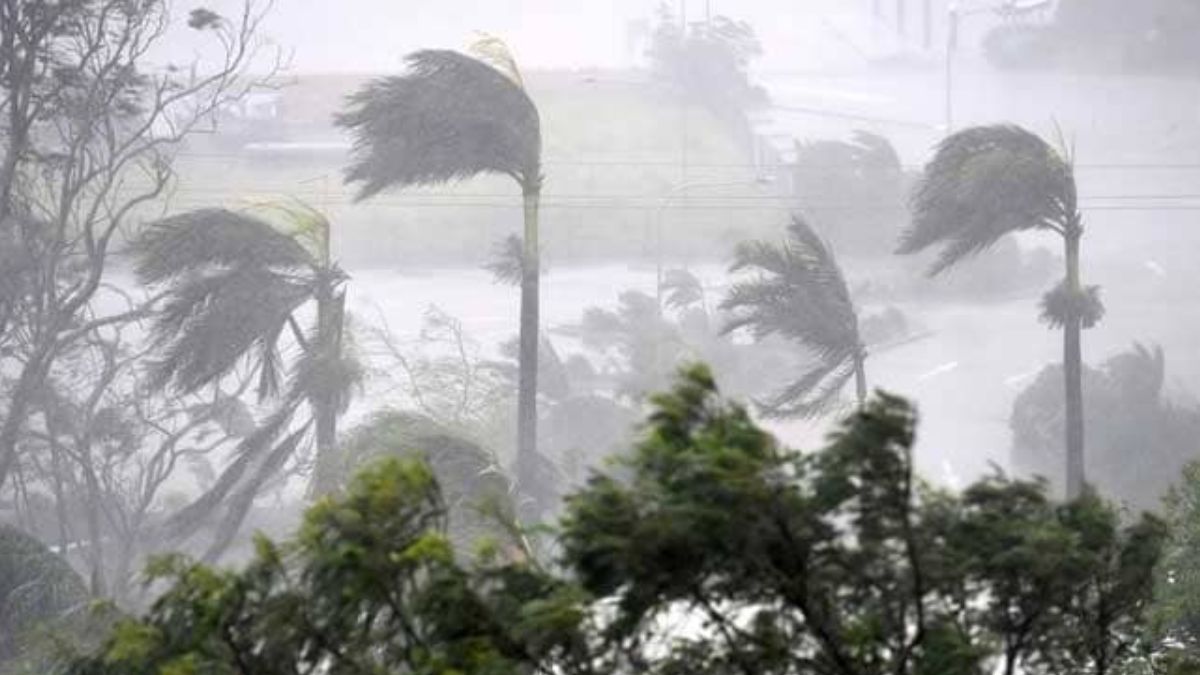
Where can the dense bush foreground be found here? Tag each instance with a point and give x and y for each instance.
(720, 553)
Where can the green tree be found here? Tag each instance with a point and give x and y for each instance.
(841, 561)
(453, 117)
(710, 549)
(800, 293)
(987, 182)
(369, 585)
(234, 286)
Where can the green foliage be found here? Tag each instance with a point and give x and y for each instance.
(369, 585)
(1177, 601)
(839, 561)
(836, 562)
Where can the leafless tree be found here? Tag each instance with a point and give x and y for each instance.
(89, 135)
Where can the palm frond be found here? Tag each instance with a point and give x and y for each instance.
(1061, 304)
(449, 117)
(208, 324)
(304, 224)
(238, 504)
(199, 240)
(816, 392)
(982, 184)
(248, 454)
(495, 52)
(799, 293)
(508, 261)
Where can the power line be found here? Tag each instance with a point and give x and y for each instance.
(630, 162)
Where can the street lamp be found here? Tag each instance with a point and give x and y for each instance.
(666, 202)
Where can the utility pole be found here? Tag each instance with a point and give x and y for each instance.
(951, 45)
(901, 18)
(927, 24)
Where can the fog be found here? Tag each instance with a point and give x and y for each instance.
(380, 304)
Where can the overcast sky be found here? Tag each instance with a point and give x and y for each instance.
(372, 35)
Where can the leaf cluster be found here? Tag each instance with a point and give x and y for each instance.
(716, 550)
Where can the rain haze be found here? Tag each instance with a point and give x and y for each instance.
(258, 261)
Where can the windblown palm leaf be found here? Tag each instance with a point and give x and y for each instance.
(982, 184)
(450, 117)
(200, 240)
(799, 293)
(232, 283)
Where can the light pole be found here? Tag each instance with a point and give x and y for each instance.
(954, 17)
(667, 199)
(951, 45)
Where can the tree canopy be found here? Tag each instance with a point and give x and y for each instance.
(712, 549)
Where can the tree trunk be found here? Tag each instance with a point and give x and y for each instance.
(1073, 372)
(528, 357)
(325, 402)
(860, 378)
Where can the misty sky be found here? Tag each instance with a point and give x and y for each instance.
(372, 35)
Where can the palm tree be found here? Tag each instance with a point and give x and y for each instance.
(234, 284)
(985, 183)
(452, 117)
(800, 294)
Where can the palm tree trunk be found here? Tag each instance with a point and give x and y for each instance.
(325, 403)
(528, 365)
(1073, 371)
(860, 378)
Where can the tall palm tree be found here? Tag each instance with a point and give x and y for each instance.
(800, 293)
(987, 182)
(452, 117)
(234, 284)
